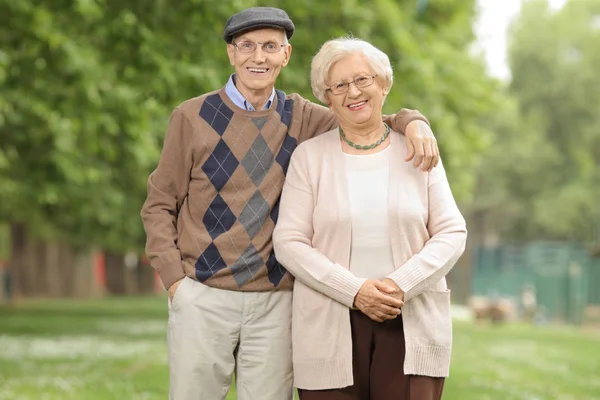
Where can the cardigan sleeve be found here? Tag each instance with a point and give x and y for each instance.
(292, 238)
(447, 238)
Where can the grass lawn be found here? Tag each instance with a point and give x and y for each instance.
(115, 349)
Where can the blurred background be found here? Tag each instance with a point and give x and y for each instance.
(86, 89)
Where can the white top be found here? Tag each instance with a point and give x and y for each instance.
(368, 180)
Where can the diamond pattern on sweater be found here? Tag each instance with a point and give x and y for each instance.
(275, 212)
(258, 160)
(232, 211)
(259, 122)
(244, 268)
(284, 108)
(209, 263)
(216, 113)
(220, 165)
(285, 153)
(218, 218)
(275, 271)
(255, 214)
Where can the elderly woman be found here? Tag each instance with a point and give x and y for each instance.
(369, 239)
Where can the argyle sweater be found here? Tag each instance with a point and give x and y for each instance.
(213, 199)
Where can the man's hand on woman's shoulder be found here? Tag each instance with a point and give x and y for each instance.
(421, 145)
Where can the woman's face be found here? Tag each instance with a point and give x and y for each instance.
(358, 108)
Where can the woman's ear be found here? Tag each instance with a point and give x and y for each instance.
(385, 93)
(327, 102)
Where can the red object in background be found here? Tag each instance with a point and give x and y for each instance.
(100, 270)
(144, 260)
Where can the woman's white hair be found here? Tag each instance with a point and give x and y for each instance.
(334, 50)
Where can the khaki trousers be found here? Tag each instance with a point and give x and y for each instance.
(378, 366)
(214, 332)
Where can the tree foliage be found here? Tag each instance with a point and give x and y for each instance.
(88, 85)
(542, 173)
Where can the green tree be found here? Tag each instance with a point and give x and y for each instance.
(542, 175)
(88, 85)
(566, 99)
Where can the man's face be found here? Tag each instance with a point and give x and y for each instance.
(257, 71)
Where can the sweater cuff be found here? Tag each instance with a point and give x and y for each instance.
(407, 277)
(170, 268)
(346, 284)
(406, 116)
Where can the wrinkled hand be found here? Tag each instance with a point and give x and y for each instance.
(373, 301)
(397, 292)
(173, 288)
(421, 145)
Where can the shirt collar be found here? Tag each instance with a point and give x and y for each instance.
(239, 100)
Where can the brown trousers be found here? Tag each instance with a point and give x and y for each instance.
(378, 366)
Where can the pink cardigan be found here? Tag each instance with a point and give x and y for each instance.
(312, 240)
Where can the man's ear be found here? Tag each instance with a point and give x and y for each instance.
(288, 54)
(231, 54)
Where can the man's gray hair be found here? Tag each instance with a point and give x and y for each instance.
(334, 50)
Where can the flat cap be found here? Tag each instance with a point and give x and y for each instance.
(256, 18)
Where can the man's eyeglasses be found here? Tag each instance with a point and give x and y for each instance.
(249, 47)
(360, 82)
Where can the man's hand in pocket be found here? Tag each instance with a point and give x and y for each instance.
(173, 289)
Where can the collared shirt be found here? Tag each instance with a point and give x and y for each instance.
(239, 100)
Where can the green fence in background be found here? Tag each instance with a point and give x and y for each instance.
(565, 277)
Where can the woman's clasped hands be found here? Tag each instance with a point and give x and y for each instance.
(380, 300)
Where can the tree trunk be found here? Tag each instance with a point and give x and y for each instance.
(53, 270)
(115, 274)
(21, 285)
(38, 267)
(145, 278)
(43, 269)
(83, 277)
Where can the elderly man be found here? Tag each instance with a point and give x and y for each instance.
(211, 209)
